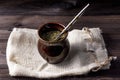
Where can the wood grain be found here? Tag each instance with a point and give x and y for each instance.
(34, 13)
(58, 7)
(111, 33)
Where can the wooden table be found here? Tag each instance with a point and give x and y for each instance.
(23, 15)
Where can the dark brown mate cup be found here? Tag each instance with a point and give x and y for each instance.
(53, 51)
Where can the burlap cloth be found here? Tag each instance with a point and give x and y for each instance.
(87, 52)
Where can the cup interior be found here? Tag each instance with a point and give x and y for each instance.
(51, 27)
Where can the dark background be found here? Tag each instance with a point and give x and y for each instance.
(59, 7)
(104, 14)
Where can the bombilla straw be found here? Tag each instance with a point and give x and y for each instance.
(72, 22)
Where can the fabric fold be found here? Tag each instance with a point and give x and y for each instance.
(87, 51)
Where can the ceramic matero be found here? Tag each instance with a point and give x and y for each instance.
(52, 51)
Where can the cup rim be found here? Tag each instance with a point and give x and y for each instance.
(44, 41)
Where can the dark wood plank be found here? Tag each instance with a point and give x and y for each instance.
(58, 7)
(33, 13)
(109, 25)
